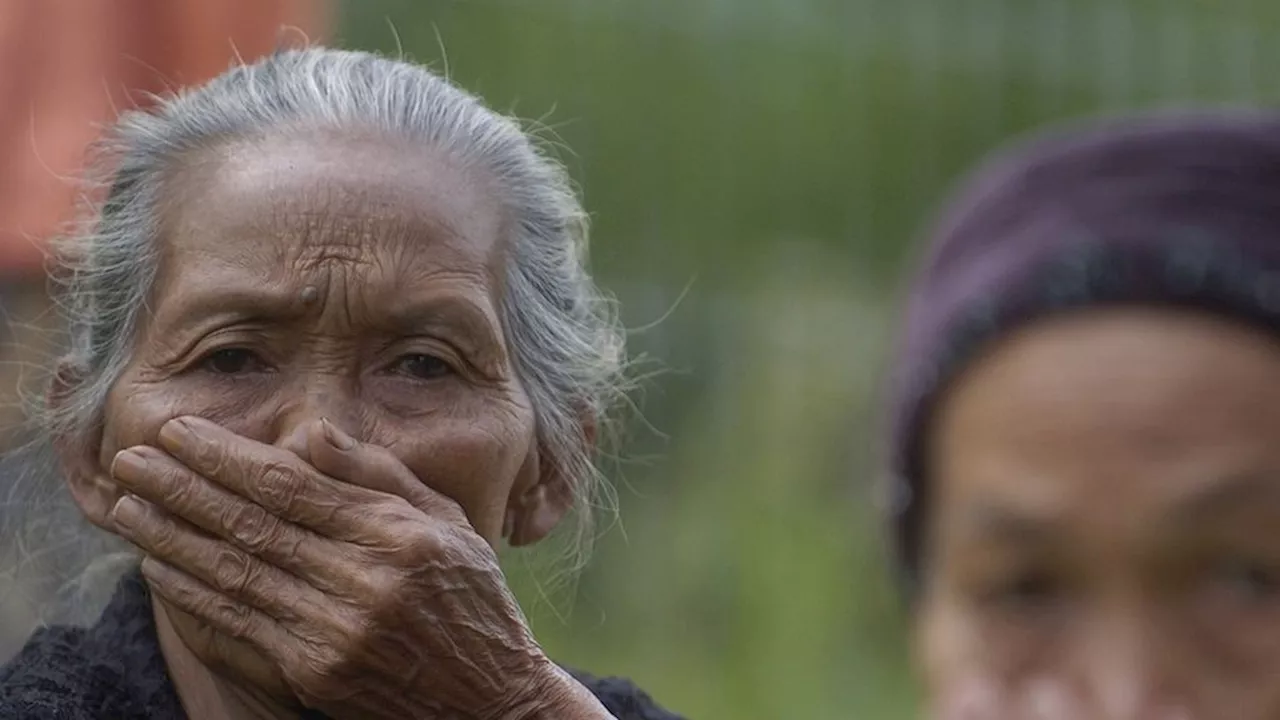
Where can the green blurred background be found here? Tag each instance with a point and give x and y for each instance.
(757, 171)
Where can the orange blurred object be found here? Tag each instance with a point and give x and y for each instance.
(68, 66)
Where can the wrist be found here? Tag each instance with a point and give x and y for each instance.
(555, 695)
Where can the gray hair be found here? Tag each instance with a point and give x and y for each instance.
(565, 340)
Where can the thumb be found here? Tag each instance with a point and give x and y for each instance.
(340, 456)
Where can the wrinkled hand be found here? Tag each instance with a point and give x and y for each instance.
(369, 592)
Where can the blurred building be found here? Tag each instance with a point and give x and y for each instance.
(67, 67)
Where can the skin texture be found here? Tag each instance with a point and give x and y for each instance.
(1105, 539)
(321, 438)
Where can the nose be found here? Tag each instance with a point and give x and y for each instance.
(308, 406)
(1130, 666)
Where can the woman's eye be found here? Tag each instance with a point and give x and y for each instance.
(1248, 580)
(232, 361)
(1025, 591)
(422, 366)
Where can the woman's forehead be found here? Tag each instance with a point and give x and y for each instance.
(1100, 405)
(393, 226)
(1123, 364)
(294, 201)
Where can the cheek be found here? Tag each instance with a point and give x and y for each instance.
(137, 409)
(1157, 655)
(949, 646)
(475, 460)
(957, 644)
(963, 653)
(1237, 643)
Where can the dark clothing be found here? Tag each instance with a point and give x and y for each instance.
(1174, 210)
(115, 671)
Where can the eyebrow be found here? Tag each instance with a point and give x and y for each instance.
(237, 304)
(405, 316)
(993, 522)
(989, 521)
(480, 332)
(1232, 494)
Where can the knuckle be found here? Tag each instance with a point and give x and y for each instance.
(393, 517)
(232, 571)
(186, 596)
(252, 526)
(424, 546)
(279, 485)
(236, 618)
(425, 538)
(397, 513)
(212, 457)
(176, 489)
(380, 584)
(288, 548)
(163, 533)
(416, 541)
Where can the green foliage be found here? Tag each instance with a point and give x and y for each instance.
(776, 158)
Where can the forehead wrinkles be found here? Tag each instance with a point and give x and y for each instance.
(309, 238)
(364, 217)
(348, 190)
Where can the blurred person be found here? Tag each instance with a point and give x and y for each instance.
(1086, 428)
(69, 67)
(370, 354)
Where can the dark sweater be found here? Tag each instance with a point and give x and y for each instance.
(114, 671)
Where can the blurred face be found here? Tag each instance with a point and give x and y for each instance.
(1107, 520)
(336, 277)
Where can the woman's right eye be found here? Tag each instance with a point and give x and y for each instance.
(1247, 581)
(1024, 591)
(232, 361)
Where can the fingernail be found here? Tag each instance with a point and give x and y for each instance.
(128, 465)
(127, 512)
(154, 569)
(176, 431)
(336, 437)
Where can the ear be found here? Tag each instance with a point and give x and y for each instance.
(544, 493)
(78, 455)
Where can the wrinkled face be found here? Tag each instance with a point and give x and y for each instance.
(337, 277)
(1108, 517)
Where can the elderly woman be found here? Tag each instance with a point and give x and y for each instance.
(332, 342)
(1086, 428)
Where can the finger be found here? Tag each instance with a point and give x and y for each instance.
(272, 477)
(227, 569)
(232, 657)
(337, 454)
(235, 619)
(293, 661)
(161, 479)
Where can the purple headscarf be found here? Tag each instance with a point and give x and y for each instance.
(1175, 209)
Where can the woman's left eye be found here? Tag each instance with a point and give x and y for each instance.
(422, 366)
(232, 361)
(1247, 580)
